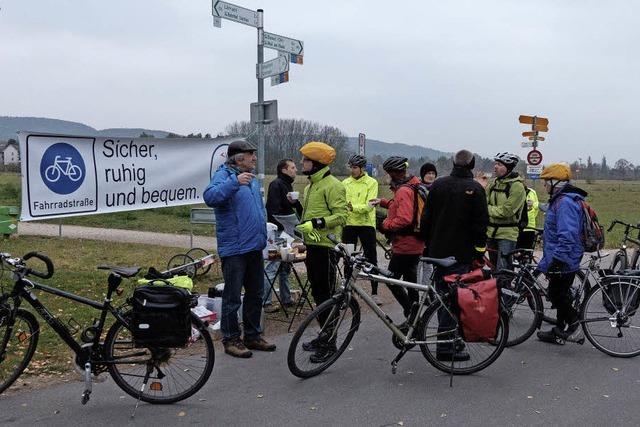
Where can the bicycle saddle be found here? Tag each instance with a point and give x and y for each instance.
(442, 262)
(122, 271)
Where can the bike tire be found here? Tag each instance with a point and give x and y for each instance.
(197, 253)
(335, 308)
(24, 327)
(549, 314)
(129, 376)
(523, 304)
(619, 262)
(482, 354)
(180, 260)
(597, 320)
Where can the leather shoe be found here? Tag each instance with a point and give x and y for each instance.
(259, 344)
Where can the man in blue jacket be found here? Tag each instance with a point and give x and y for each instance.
(241, 231)
(563, 249)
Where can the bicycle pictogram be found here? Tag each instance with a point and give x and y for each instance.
(62, 167)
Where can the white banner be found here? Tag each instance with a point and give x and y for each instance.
(73, 175)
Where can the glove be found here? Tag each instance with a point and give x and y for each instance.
(557, 266)
(314, 236)
(305, 228)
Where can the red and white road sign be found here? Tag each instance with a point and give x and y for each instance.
(534, 157)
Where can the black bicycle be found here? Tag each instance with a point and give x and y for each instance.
(621, 260)
(154, 375)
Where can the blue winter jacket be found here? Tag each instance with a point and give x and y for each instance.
(240, 216)
(563, 230)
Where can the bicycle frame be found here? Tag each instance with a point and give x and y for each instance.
(22, 291)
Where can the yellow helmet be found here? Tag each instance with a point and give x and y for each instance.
(559, 171)
(319, 151)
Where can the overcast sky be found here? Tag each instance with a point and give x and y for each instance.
(443, 74)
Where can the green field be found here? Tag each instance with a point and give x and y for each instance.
(611, 200)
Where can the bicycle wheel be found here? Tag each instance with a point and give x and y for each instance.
(342, 320)
(482, 354)
(549, 313)
(184, 261)
(19, 341)
(619, 262)
(197, 253)
(523, 305)
(609, 317)
(175, 373)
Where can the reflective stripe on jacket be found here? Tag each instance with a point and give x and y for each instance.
(359, 192)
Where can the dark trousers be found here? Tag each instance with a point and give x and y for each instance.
(562, 299)
(245, 270)
(321, 271)
(404, 267)
(367, 236)
(526, 240)
(445, 321)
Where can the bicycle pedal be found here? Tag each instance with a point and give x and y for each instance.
(394, 367)
(85, 397)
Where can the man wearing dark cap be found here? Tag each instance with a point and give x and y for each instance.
(506, 197)
(454, 223)
(241, 232)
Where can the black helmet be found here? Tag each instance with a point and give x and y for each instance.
(357, 160)
(395, 164)
(240, 146)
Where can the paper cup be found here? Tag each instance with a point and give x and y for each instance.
(294, 195)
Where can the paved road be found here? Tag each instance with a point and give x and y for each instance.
(116, 235)
(533, 384)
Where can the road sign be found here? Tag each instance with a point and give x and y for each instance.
(528, 120)
(285, 44)
(362, 140)
(534, 170)
(530, 133)
(534, 157)
(235, 13)
(540, 138)
(541, 128)
(526, 144)
(269, 112)
(276, 66)
(280, 78)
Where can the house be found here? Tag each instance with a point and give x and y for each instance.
(9, 154)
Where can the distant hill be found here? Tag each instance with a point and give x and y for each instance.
(386, 149)
(10, 125)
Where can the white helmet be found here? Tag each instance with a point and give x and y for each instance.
(507, 159)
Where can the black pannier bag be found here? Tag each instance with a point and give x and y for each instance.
(620, 294)
(161, 316)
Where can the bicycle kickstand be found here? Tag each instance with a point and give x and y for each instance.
(394, 362)
(142, 387)
(87, 383)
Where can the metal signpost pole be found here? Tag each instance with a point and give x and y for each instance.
(260, 124)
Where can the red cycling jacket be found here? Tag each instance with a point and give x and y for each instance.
(400, 216)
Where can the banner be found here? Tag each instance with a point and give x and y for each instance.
(74, 175)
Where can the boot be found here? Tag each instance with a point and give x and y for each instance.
(552, 336)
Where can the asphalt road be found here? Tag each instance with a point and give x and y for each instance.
(532, 384)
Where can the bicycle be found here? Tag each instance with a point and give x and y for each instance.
(621, 259)
(336, 320)
(153, 375)
(62, 168)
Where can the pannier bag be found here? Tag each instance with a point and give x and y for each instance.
(161, 316)
(478, 305)
(619, 295)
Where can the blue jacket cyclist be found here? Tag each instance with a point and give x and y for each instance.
(241, 231)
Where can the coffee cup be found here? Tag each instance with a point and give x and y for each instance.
(294, 195)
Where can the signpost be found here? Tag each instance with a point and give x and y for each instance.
(362, 140)
(533, 172)
(290, 50)
(534, 157)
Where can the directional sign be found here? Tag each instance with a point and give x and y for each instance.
(534, 157)
(540, 128)
(528, 120)
(530, 133)
(271, 68)
(526, 144)
(534, 170)
(280, 78)
(235, 13)
(540, 138)
(285, 44)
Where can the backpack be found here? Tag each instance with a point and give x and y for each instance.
(420, 192)
(592, 232)
(523, 217)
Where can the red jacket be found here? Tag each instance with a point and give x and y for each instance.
(400, 215)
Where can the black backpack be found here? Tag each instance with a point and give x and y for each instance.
(161, 316)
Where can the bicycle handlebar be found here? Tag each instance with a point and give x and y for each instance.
(627, 226)
(367, 267)
(47, 261)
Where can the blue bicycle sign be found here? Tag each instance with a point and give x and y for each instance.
(62, 168)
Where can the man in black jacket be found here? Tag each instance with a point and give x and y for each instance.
(281, 200)
(454, 223)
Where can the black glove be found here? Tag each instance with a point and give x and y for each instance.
(557, 266)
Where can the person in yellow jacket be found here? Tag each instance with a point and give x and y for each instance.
(527, 236)
(324, 212)
(361, 216)
(505, 200)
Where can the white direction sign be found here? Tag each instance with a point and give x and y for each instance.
(273, 67)
(235, 13)
(527, 144)
(534, 169)
(285, 44)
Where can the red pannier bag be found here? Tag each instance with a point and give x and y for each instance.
(478, 304)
